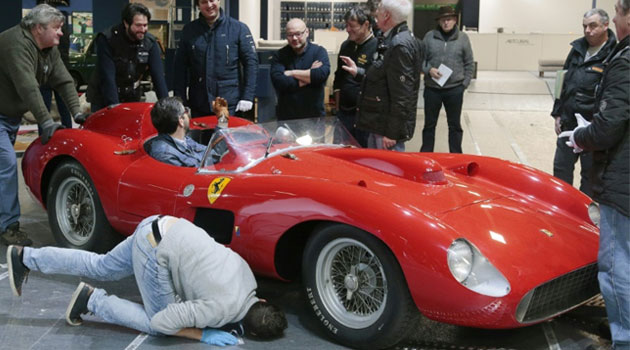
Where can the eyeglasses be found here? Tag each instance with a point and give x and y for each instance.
(186, 111)
(297, 35)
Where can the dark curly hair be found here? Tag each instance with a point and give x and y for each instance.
(132, 9)
(264, 321)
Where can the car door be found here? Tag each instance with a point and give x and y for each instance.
(149, 187)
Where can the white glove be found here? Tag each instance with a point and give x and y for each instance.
(582, 123)
(244, 106)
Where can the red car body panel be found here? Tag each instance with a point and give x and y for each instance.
(529, 225)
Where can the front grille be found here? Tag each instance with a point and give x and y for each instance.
(559, 295)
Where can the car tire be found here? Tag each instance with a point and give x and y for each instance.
(75, 213)
(336, 283)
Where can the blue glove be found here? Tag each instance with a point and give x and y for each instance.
(216, 337)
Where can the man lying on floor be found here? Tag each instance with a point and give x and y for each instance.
(190, 285)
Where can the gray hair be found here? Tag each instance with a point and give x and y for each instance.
(43, 15)
(399, 9)
(603, 16)
(625, 6)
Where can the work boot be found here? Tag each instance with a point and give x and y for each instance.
(18, 272)
(13, 235)
(78, 304)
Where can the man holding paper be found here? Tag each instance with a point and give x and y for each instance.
(448, 69)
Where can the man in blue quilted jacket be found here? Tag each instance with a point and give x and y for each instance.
(208, 59)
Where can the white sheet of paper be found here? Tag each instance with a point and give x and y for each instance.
(446, 73)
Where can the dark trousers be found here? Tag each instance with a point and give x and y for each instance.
(564, 164)
(47, 93)
(452, 99)
(348, 119)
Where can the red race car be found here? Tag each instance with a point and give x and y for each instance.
(376, 235)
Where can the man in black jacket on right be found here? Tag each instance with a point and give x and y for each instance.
(584, 68)
(607, 137)
(389, 92)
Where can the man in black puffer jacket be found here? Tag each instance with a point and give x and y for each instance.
(584, 69)
(609, 140)
(389, 92)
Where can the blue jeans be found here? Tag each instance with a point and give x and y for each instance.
(614, 273)
(376, 141)
(9, 203)
(134, 256)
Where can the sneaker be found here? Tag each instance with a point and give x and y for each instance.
(18, 272)
(13, 235)
(78, 304)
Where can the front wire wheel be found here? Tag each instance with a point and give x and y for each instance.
(352, 282)
(356, 288)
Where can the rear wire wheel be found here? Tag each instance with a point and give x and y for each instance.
(75, 213)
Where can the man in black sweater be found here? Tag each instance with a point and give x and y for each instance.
(355, 57)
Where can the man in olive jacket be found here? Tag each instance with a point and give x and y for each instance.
(389, 92)
(29, 60)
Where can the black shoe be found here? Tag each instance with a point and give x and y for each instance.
(13, 235)
(78, 304)
(604, 330)
(18, 272)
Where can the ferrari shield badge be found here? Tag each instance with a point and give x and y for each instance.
(216, 187)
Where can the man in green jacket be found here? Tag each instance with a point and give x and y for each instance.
(29, 60)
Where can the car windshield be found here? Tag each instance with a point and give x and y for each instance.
(237, 149)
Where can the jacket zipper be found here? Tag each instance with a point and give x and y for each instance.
(227, 54)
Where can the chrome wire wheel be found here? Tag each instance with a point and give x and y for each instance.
(75, 211)
(352, 283)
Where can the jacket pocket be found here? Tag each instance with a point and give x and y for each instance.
(228, 89)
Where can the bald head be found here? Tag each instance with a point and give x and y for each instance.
(297, 34)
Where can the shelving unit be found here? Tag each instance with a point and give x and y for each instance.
(316, 14)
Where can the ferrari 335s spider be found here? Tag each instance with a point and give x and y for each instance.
(377, 237)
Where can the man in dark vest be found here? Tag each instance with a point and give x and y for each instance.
(125, 53)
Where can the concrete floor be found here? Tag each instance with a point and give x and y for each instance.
(506, 115)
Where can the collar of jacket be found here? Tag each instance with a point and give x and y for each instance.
(437, 34)
(400, 27)
(622, 46)
(216, 23)
(581, 45)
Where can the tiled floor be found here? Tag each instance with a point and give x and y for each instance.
(506, 115)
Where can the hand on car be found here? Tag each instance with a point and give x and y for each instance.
(48, 129)
(217, 337)
(582, 123)
(80, 118)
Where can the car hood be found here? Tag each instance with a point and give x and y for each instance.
(406, 179)
(524, 238)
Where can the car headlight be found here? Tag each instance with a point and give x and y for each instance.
(593, 213)
(460, 258)
(470, 268)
